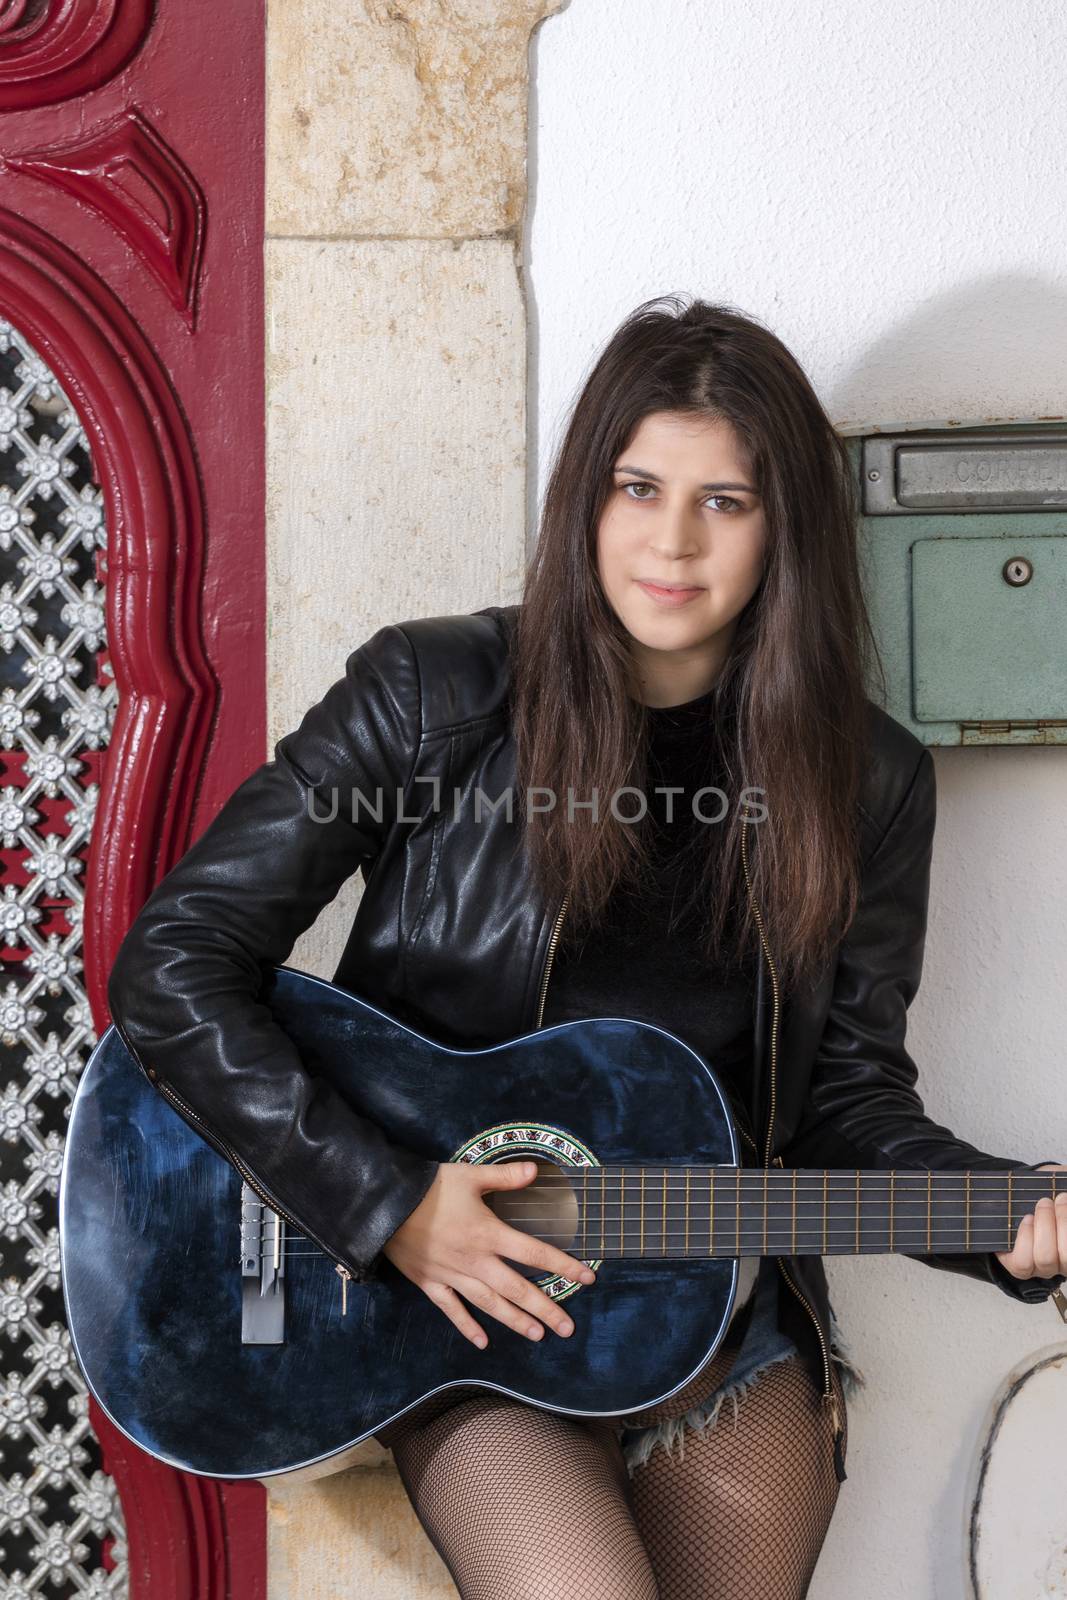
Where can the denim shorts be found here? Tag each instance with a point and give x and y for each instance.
(763, 1345)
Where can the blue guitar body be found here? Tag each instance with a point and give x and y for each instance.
(213, 1362)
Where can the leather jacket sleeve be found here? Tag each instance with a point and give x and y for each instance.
(863, 1110)
(182, 990)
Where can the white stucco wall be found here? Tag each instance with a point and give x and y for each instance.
(883, 185)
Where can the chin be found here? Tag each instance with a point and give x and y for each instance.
(669, 633)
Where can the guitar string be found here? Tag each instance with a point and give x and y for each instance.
(843, 1213)
(780, 1183)
(778, 1225)
(840, 1212)
(779, 1229)
(917, 1243)
(781, 1177)
(839, 1207)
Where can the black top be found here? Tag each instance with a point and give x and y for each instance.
(643, 960)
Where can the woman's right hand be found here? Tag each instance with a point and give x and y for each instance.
(452, 1245)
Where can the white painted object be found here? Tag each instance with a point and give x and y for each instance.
(1017, 1534)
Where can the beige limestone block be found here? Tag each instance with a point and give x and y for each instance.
(351, 1534)
(396, 464)
(396, 394)
(398, 117)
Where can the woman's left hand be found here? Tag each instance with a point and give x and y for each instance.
(1040, 1249)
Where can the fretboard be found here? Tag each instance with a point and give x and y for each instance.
(730, 1211)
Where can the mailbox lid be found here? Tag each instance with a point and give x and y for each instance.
(983, 648)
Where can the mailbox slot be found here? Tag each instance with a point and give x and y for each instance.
(963, 554)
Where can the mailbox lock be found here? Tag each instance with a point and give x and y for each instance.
(1018, 571)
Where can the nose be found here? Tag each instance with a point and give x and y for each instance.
(675, 535)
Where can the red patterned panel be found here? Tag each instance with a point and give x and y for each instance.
(131, 228)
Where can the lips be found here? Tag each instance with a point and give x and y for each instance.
(664, 595)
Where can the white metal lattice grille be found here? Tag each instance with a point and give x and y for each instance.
(61, 1530)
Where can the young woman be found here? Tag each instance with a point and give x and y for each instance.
(692, 626)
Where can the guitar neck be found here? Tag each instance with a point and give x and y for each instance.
(731, 1211)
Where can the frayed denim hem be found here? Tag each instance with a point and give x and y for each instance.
(639, 1443)
(852, 1377)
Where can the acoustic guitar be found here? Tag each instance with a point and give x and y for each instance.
(222, 1339)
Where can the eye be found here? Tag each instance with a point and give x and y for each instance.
(724, 500)
(734, 505)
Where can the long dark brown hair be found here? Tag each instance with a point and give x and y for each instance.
(789, 713)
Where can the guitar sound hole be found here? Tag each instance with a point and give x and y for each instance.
(546, 1208)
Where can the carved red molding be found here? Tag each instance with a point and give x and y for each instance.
(129, 174)
(55, 49)
(190, 1539)
(176, 434)
(144, 464)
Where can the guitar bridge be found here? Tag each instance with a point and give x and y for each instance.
(262, 1271)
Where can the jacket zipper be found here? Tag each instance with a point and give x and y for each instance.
(829, 1397)
(253, 1183)
(552, 943)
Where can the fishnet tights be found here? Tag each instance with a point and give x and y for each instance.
(523, 1504)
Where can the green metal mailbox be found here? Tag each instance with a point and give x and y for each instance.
(963, 549)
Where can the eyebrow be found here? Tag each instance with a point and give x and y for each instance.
(640, 472)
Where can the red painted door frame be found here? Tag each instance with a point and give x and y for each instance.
(131, 237)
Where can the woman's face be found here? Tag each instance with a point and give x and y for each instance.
(682, 511)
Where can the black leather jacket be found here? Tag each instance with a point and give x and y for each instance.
(451, 936)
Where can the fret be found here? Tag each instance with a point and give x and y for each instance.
(712, 1182)
(738, 1250)
(679, 1196)
(929, 1217)
(715, 1179)
(892, 1198)
(664, 1180)
(857, 1213)
(687, 1212)
(914, 1217)
(641, 1194)
(844, 1213)
(1011, 1212)
(794, 1249)
(825, 1211)
(967, 1211)
(778, 1209)
(766, 1179)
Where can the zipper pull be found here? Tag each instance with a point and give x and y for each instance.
(839, 1432)
(346, 1278)
(1060, 1302)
